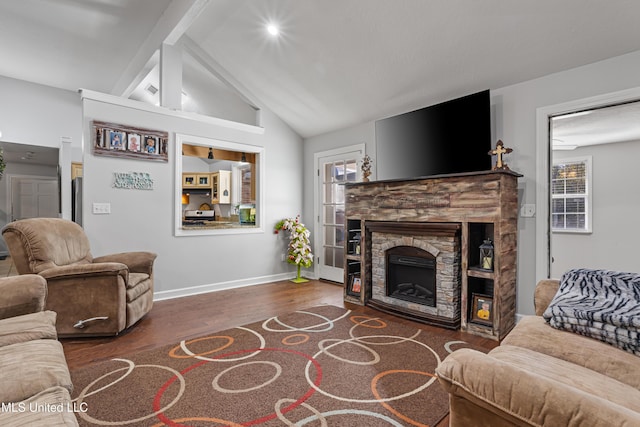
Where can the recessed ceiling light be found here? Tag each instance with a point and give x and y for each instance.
(273, 29)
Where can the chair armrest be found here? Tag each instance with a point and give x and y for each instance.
(545, 291)
(22, 295)
(138, 262)
(86, 270)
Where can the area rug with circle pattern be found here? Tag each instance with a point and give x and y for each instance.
(324, 366)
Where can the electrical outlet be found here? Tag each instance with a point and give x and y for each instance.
(528, 211)
(101, 208)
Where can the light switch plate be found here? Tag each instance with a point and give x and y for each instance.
(102, 208)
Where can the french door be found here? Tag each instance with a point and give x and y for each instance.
(334, 169)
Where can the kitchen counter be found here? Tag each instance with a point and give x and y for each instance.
(214, 225)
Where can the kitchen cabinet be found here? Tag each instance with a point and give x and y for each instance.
(196, 180)
(203, 180)
(189, 180)
(221, 187)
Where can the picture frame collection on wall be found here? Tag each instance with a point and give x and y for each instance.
(116, 140)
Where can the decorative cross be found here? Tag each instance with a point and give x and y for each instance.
(498, 152)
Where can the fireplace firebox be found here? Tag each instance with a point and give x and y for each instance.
(411, 275)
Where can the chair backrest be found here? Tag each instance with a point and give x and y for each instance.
(37, 244)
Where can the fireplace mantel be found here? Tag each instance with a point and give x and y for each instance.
(415, 228)
(473, 206)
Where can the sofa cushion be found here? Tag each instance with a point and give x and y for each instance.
(534, 333)
(30, 367)
(581, 379)
(529, 388)
(34, 326)
(51, 408)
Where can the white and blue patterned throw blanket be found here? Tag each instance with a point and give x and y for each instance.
(600, 304)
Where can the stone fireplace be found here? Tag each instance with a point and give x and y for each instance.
(423, 235)
(415, 270)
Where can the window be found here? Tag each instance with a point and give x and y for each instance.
(233, 190)
(571, 195)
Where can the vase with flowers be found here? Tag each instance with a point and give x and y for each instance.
(299, 251)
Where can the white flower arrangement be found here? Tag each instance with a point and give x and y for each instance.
(299, 252)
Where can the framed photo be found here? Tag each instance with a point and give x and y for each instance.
(482, 309)
(134, 142)
(118, 140)
(356, 284)
(150, 144)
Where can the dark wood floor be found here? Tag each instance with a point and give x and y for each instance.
(182, 318)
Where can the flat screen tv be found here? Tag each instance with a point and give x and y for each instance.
(451, 137)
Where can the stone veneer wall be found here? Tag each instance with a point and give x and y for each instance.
(447, 252)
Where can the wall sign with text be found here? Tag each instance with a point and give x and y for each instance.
(110, 139)
(132, 180)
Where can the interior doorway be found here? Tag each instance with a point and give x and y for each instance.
(605, 130)
(334, 169)
(593, 188)
(30, 185)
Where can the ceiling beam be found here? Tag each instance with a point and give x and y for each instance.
(218, 153)
(171, 26)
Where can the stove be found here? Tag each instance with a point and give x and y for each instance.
(198, 217)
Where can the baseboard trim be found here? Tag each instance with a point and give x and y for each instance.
(221, 286)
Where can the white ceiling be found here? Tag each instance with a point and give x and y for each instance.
(336, 63)
(605, 125)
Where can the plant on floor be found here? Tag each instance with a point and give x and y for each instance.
(299, 252)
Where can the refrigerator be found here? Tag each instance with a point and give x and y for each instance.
(76, 200)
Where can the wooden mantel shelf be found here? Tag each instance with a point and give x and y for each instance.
(441, 176)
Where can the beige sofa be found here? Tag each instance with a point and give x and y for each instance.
(541, 376)
(34, 377)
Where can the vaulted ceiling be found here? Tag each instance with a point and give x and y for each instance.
(335, 63)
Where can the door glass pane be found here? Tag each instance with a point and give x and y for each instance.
(328, 193)
(328, 172)
(339, 193)
(329, 234)
(328, 257)
(338, 172)
(329, 214)
(339, 231)
(339, 258)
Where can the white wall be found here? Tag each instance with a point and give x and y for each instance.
(39, 115)
(613, 244)
(514, 112)
(143, 220)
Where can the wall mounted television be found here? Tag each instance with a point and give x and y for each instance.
(450, 137)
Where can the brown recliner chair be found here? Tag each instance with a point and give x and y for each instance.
(92, 296)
